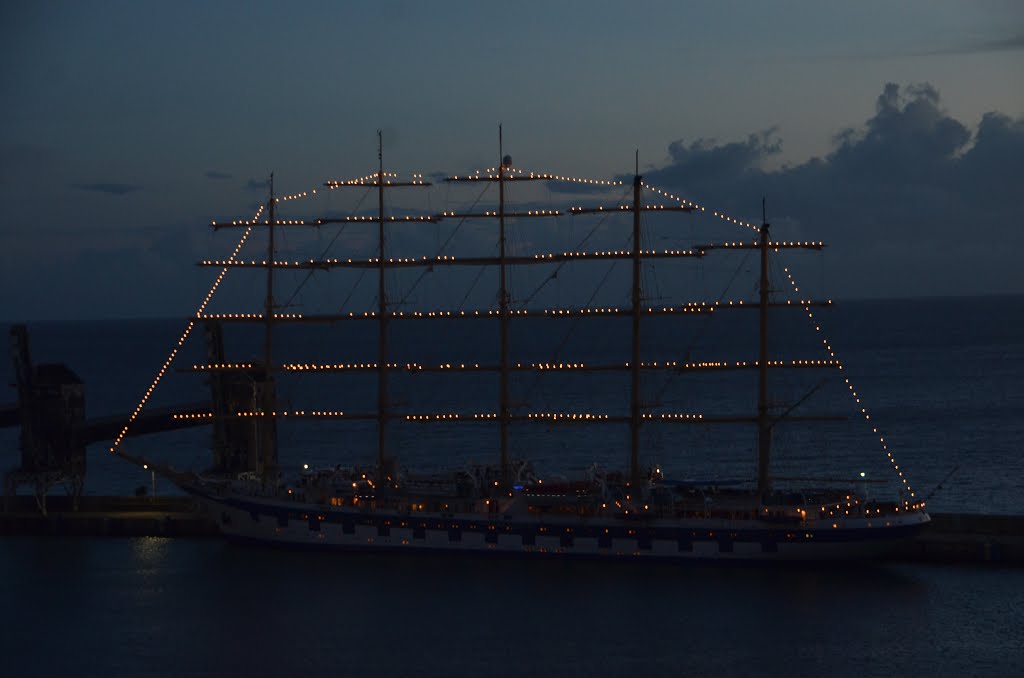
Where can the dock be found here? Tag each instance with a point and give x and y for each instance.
(968, 538)
(951, 538)
(107, 517)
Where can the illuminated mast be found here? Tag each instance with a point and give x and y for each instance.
(503, 404)
(764, 427)
(383, 406)
(385, 463)
(634, 404)
(502, 174)
(267, 453)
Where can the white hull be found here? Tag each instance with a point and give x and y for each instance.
(309, 526)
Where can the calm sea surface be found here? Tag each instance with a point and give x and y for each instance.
(203, 607)
(943, 380)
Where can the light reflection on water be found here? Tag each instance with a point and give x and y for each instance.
(150, 552)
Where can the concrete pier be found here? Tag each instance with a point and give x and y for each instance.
(949, 538)
(968, 538)
(107, 517)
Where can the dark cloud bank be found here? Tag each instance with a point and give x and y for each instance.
(913, 202)
(109, 188)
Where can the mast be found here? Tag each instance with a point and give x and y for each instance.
(383, 414)
(267, 440)
(503, 404)
(269, 305)
(382, 307)
(634, 405)
(764, 431)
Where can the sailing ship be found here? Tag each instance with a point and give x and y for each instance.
(505, 507)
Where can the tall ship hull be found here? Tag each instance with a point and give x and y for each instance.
(569, 521)
(314, 527)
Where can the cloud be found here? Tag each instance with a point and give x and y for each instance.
(706, 159)
(912, 199)
(1015, 42)
(215, 174)
(109, 188)
(256, 185)
(1010, 44)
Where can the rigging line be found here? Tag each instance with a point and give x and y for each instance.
(479, 273)
(572, 326)
(352, 291)
(440, 249)
(558, 268)
(779, 419)
(575, 320)
(650, 273)
(702, 330)
(472, 285)
(938, 487)
(513, 242)
(323, 254)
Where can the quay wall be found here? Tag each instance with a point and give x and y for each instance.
(106, 517)
(967, 538)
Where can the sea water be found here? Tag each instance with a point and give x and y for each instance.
(174, 607)
(942, 380)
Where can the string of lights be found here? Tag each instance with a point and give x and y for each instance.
(515, 174)
(566, 417)
(390, 179)
(703, 208)
(550, 366)
(296, 196)
(774, 244)
(445, 259)
(685, 307)
(689, 307)
(354, 219)
(181, 340)
(827, 344)
(604, 209)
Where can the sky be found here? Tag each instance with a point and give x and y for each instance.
(893, 131)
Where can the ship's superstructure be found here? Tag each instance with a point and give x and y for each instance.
(503, 506)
